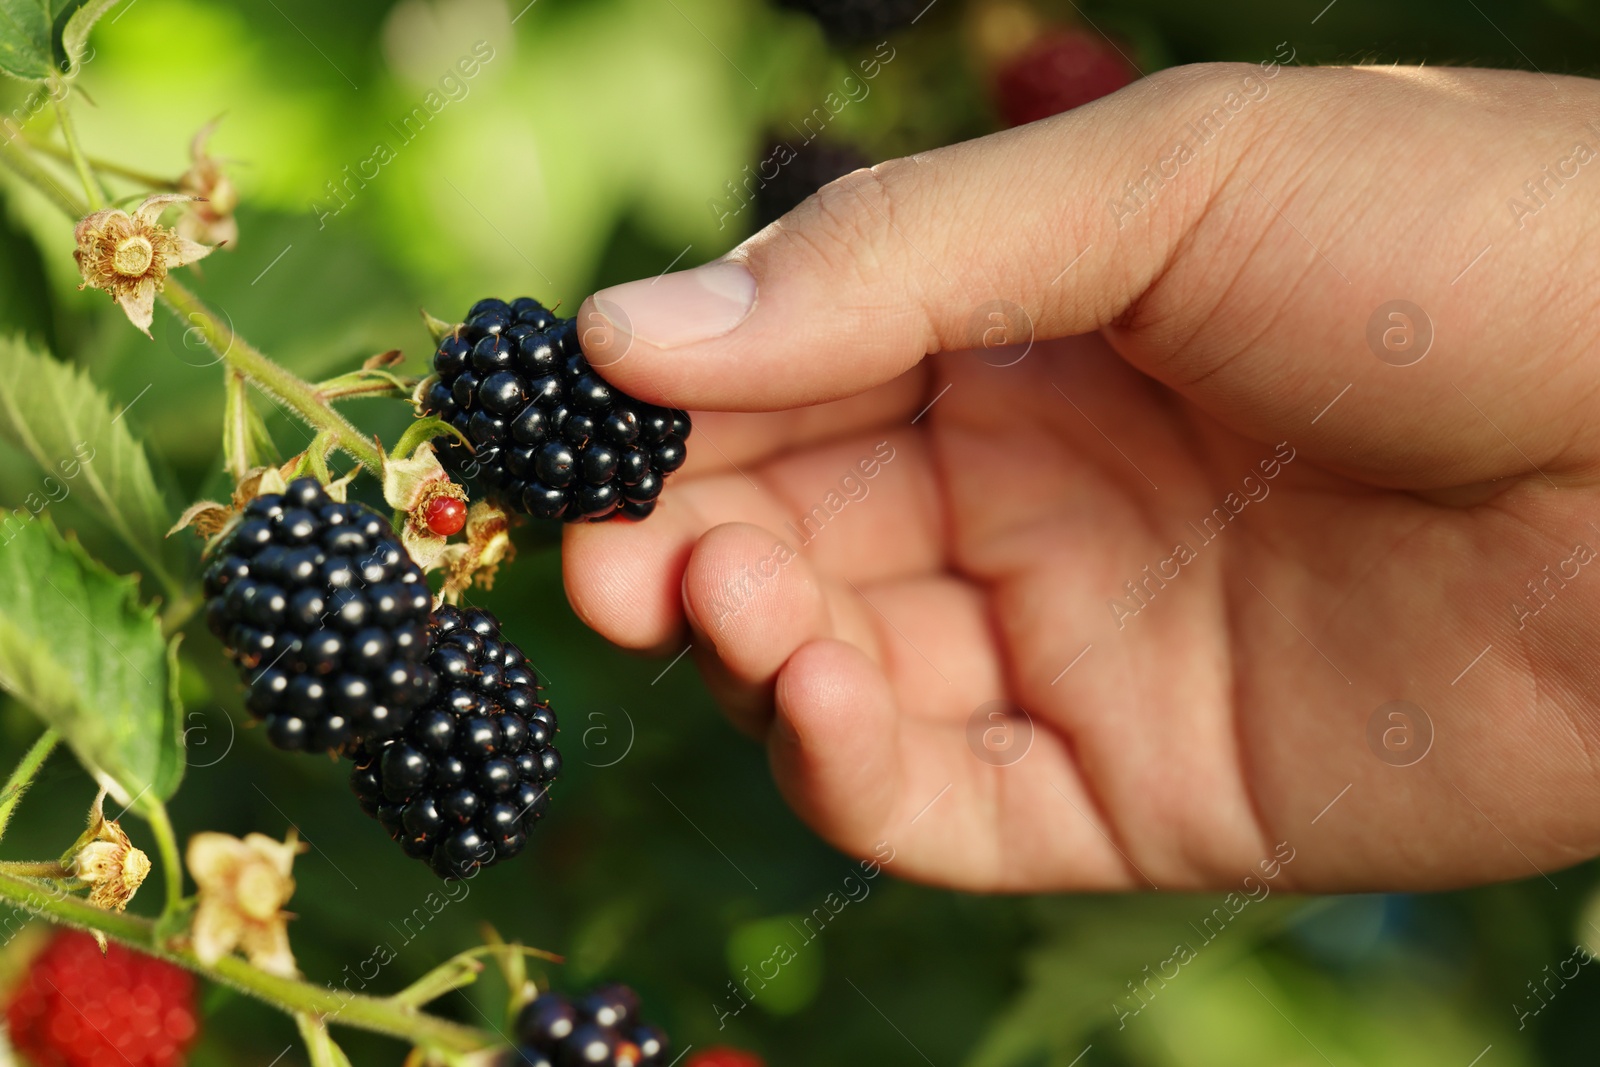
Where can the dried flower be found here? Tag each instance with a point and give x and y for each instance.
(129, 255)
(244, 885)
(488, 545)
(208, 218)
(106, 861)
(412, 486)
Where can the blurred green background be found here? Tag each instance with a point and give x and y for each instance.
(585, 152)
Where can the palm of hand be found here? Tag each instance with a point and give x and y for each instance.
(1178, 729)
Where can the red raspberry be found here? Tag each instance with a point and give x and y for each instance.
(77, 1008)
(1059, 71)
(446, 515)
(725, 1057)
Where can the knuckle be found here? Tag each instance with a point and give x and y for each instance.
(845, 218)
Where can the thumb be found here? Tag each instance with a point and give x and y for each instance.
(913, 256)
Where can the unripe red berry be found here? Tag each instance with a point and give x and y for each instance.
(1059, 71)
(725, 1057)
(77, 1008)
(446, 515)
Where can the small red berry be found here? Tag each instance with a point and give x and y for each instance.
(446, 515)
(1059, 71)
(77, 1008)
(725, 1057)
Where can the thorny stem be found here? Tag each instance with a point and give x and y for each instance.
(22, 777)
(298, 394)
(287, 994)
(91, 183)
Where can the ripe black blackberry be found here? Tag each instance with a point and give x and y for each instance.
(465, 782)
(325, 615)
(808, 168)
(853, 21)
(551, 438)
(600, 1029)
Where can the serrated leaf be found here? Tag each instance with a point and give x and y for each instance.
(26, 35)
(78, 648)
(76, 34)
(53, 412)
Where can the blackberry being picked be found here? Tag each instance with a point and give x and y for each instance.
(600, 1029)
(324, 613)
(550, 438)
(468, 778)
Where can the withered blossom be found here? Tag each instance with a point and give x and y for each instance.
(129, 256)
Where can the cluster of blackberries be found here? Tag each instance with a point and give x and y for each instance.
(465, 780)
(325, 615)
(601, 1029)
(549, 437)
(852, 21)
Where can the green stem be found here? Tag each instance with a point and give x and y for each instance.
(299, 395)
(177, 614)
(287, 994)
(23, 775)
(155, 813)
(35, 869)
(105, 166)
(91, 184)
(26, 168)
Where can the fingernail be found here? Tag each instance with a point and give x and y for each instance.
(684, 308)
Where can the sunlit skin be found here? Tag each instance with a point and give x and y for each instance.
(1226, 316)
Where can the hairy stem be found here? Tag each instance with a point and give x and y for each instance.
(22, 777)
(286, 994)
(299, 395)
(80, 162)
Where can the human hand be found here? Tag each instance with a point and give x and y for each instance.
(1200, 345)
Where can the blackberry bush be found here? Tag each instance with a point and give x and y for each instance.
(600, 1029)
(549, 437)
(468, 778)
(325, 615)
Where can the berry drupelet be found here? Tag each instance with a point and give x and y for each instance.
(600, 1029)
(549, 437)
(325, 615)
(468, 778)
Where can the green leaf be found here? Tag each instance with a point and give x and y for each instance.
(53, 412)
(76, 34)
(26, 39)
(78, 648)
